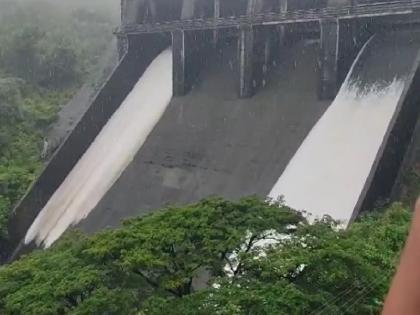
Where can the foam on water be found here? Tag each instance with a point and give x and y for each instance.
(107, 157)
(328, 172)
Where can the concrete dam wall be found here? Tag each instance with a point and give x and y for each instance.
(248, 105)
(207, 143)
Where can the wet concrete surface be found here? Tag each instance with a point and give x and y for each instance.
(210, 142)
(73, 111)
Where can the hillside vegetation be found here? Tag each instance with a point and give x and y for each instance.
(47, 50)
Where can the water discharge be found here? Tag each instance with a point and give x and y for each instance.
(328, 172)
(109, 155)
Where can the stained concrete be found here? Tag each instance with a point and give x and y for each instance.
(212, 143)
(73, 111)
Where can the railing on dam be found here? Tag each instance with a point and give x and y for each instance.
(366, 10)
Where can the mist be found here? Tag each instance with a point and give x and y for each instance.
(109, 8)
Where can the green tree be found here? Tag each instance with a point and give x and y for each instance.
(10, 101)
(61, 281)
(149, 264)
(59, 67)
(169, 250)
(318, 270)
(158, 255)
(19, 53)
(22, 120)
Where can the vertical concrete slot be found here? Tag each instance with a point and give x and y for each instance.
(329, 59)
(246, 58)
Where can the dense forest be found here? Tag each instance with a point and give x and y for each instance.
(47, 50)
(212, 257)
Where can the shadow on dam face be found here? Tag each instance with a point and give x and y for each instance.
(212, 143)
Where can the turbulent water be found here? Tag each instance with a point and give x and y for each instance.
(329, 170)
(108, 156)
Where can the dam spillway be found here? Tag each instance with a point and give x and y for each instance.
(208, 141)
(329, 171)
(109, 154)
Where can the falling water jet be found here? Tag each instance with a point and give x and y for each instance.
(329, 171)
(109, 155)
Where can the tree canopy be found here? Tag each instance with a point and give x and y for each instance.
(213, 257)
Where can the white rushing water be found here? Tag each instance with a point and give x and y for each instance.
(328, 172)
(108, 156)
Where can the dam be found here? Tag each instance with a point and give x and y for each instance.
(311, 101)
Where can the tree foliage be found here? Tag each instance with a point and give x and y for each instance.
(154, 264)
(170, 249)
(25, 114)
(60, 282)
(319, 270)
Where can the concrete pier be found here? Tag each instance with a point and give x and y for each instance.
(282, 28)
(216, 14)
(188, 9)
(188, 50)
(255, 6)
(257, 50)
(253, 57)
(329, 59)
(179, 59)
(245, 62)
